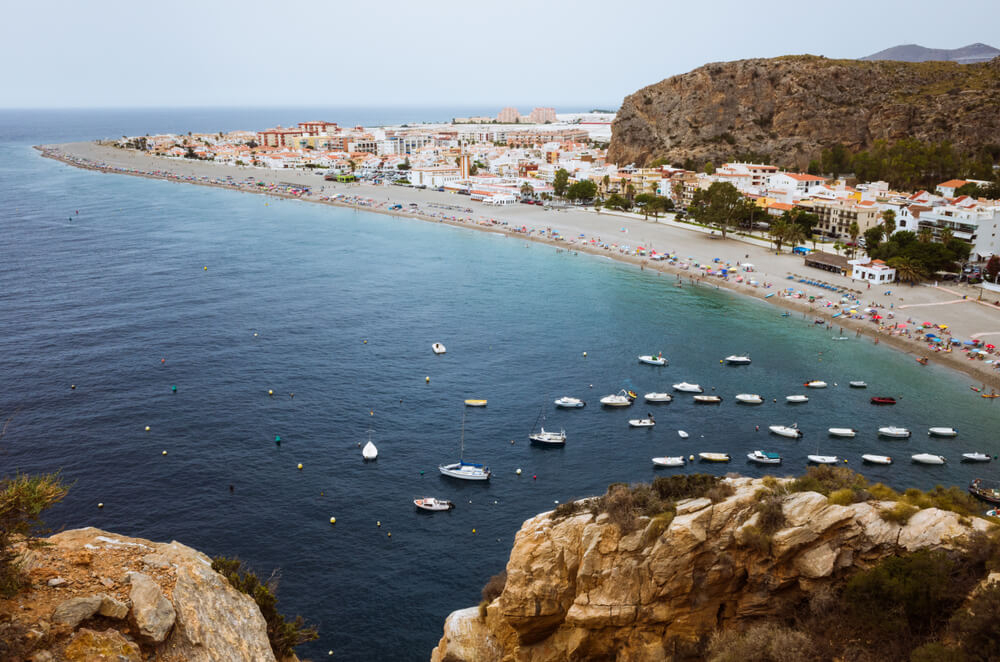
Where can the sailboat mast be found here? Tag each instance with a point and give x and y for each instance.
(461, 446)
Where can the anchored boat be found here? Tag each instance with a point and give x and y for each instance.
(928, 458)
(792, 431)
(894, 432)
(649, 359)
(876, 459)
(764, 457)
(677, 461)
(570, 403)
(433, 504)
(942, 432)
(842, 432)
(749, 398)
(462, 469)
(685, 387)
(621, 399)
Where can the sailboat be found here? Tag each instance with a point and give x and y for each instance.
(369, 452)
(546, 438)
(462, 469)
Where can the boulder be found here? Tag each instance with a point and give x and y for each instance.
(109, 645)
(466, 639)
(153, 614)
(112, 608)
(76, 610)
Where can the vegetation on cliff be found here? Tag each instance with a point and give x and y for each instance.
(23, 498)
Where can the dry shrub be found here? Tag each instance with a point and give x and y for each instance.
(766, 642)
(620, 507)
(757, 540)
(494, 587)
(568, 509)
(900, 513)
(656, 527)
(827, 478)
(770, 515)
(844, 497)
(882, 492)
(720, 492)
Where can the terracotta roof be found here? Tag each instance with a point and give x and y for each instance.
(953, 183)
(804, 178)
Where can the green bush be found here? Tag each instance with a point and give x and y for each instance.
(22, 500)
(938, 652)
(827, 478)
(282, 635)
(882, 492)
(842, 497)
(977, 627)
(687, 486)
(900, 513)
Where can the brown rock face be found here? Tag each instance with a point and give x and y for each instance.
(579, 589)
(791, 107)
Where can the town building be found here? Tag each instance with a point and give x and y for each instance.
(873, 271)
(977, 224)
(835, 217)
(542, 115)
(509, 116)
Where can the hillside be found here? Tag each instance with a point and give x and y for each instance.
(916, 53)
(788, 109)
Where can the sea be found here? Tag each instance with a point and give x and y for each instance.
(226, 321)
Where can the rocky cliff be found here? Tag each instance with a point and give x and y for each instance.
(96, 595)
(791, 107)
(579, 589)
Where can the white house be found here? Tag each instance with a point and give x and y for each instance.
(875, 271)
(433, 176)
(801, 185)
(948, 188)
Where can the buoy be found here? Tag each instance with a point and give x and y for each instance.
(100, 505)
(147, 428)
(163, 360)
(291, 395)
(206, 268)
(255, 334)
(389, 534)
(585, 353)
(534, 476)
(473, 530)
(421, 473)
(300, 466)
(164, 452)
(720, 360)
(427, 380)
(173, 388)
(72, 387)
(512, 441)
(378, 523)
(364, 341)
(277, 438)
(270, 391)
(333, 520)
(518, 472)
(372, 412)
(691, 458)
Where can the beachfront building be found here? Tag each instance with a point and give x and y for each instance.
(974, 223)
(800, 185)
(278, 137)
(836, 216)
(872, 271)
(434, 176)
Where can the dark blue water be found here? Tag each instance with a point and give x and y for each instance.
(345, 306)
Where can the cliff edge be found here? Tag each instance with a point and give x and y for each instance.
(96, 595)
(577, 588)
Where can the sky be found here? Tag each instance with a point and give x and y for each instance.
(433, 53)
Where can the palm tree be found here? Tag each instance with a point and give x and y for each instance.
(837, 247)
(606, 184)
(794, 235)
(925, 235)
(907, 269)
(778, 230)
(889, 221)
(854, 231)
(946, 235)
(527, 190)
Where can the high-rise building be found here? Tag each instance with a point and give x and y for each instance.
(542, 115)
(509, 116)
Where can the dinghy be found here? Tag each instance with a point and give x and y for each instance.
(857, 384)
(792, 431)
(763, 457)
(975, 457)
(708, 399)
(796, 399)
(823, 459)
(877, 459)
(642, 422)
(677, 461)
(714, 457)
(658, 397)
(433, 504)
(649, 359)
(883, 400)
(438, 348)
(942, 432)
(749, 398)
(472, 402)
(685, 387)
(682, 434)
(928, 458)
(815, 383)
(567, 402)
(842, 432)
(894, 432)
(621, 399)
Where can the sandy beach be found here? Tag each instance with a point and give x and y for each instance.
(908, 313)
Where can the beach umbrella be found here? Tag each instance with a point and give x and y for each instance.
(926, 324)
(943, 327)
(991, 347)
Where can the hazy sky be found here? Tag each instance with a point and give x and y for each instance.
(113, 53)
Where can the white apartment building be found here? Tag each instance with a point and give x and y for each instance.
(799, 184)
(873, 271)
(978, 225)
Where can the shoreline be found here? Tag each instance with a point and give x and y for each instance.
(689, 274)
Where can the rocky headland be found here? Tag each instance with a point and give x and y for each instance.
(95, 595)
(577, 587)
(792, 107)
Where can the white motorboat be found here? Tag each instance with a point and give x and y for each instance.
(621, 399)
(649, 359)
(677, 461)
(876, 459)
(975, 457)
(857, 384)
(682, 434)
(792, 431)
(749, 398)
(549, 438)
(462, 469)
(795, 399)
(738, 359)
(433, 504)
(714, 457)
(438, 348)
(708, 399)
(647, 422)
(842, 432)
(567, 402)
(894, 432)
(942, 432)
(369, 452)
(764, 457)
(823, 459)
(928, 458)
(815, 383)
(658, 397)
(684, 387)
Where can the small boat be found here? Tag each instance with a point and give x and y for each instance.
(749, 398)
(792, 431)
(942, 432)
(649, 359)
(677, 461)
(794, 399)
(433, 504)
(685, 387)
(842, 432)
(815, 383)
(682, 434)
(922, 360)
(823, 459)
(928, 458)
(883, 400)
(570, 403)
(895, 432)
(438, 348)
(708, 399)
(714, 457)
(877, 459)
(642, 422)
(548, 438)
(472, 402)
(786, 314)
(992, 394)
(975, 457)
(621, 399)
(988, 493)
(462, 469)
(857, 384)
(764, 457)
(658, 397)
(369, 452)
(738, 359)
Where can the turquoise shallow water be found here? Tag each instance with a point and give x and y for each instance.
(98, 299)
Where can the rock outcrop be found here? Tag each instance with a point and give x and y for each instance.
(792, 107)
(96, 595)
(577, 588)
